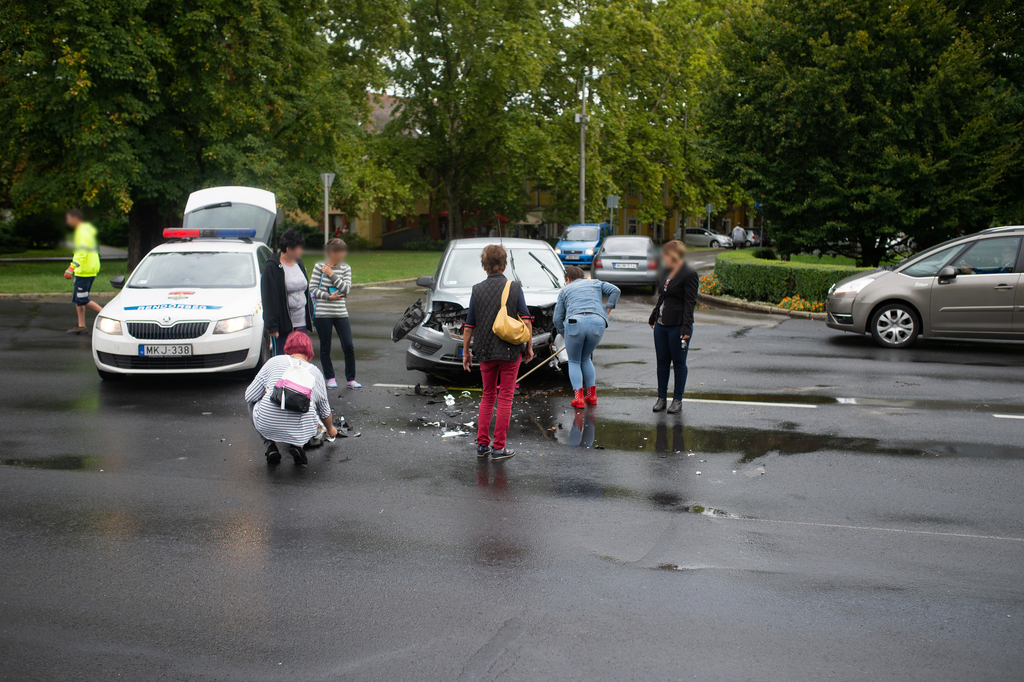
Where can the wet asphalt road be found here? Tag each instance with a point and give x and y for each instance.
(142, 537)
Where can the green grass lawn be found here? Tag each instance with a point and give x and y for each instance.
(383, 266)
(367, 266)
(59, 252)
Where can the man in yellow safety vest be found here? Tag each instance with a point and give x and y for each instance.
(85, 265)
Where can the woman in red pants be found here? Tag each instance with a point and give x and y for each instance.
(499, 360)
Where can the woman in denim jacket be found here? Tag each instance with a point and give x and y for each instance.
(582, 316)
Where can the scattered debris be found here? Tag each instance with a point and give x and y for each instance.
(467, 394)
(449, 399)
(698, 473)
(429, 391)
(453, 434)
(751, 473)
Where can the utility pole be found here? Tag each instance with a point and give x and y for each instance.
(328, 179)
(582, 120)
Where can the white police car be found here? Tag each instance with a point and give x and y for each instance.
(193, 304)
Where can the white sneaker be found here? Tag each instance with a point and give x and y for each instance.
(332, 383)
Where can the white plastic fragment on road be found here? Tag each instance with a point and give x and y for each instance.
(449, 399)
(453, 434)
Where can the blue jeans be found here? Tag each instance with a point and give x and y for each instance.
(277, 342)
(671, 352)
(325, 327)
(582, 334)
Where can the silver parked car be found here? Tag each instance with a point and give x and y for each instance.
(698, 236)
(627, 261)
(434, 327)
(970, 287)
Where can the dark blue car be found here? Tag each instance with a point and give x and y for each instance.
(580, 242)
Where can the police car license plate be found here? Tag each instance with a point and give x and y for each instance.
(572, 257)
(162, 350)
(624, 266)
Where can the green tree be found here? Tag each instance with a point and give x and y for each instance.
(644, 129)
(132, 104)
(463, 127)
(862, 122)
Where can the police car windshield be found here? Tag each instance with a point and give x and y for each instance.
(199, 269)
(232, 216)
(580, 234)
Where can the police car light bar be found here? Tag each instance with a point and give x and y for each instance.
(217, 233)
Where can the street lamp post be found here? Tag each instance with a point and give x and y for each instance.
(328, 179)
(582, 120)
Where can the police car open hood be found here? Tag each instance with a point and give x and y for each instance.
(172, 305)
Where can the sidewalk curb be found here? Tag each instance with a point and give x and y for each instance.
(111, 294)
(757, 308)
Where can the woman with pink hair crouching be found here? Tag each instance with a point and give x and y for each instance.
(288, 400)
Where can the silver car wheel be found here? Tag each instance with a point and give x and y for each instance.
(895, 326)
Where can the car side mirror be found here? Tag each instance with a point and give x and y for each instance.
(425, 281)
(117, 282)
(947, 273)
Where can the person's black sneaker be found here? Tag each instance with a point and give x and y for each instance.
(273, 454)
(502, 455)
(299, 455)
(659, 405)
(482, 451)
(675, 406)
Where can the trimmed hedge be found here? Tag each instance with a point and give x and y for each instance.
(754, 279)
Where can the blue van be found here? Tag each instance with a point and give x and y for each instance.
(580, 242)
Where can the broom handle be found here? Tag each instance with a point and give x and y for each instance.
(540, 364)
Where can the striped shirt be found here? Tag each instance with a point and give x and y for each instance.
(320, 286)
(270, 420)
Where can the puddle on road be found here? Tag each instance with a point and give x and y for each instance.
(62, 462)
(678, 440)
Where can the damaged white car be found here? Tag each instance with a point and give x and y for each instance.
(434, 327)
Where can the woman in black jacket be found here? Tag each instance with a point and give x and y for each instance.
(672, 321)
(286, 308)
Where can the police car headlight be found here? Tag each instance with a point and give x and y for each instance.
(590, 252)
(235, 324)
(108, 326)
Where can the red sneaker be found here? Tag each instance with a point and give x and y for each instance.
(592, 395)
(578, 400)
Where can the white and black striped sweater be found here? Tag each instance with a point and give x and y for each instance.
(320, 286)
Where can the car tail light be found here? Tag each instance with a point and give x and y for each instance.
(652, 264)
(598, 263)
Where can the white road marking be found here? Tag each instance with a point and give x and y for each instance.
(748, 402)
(394, 386)
(1008, 416)
(877, 529)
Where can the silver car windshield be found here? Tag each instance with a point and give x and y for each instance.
(199, 269)
(463, 269)
(629, 247)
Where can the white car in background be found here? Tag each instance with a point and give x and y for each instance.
(699, 236)
(193, 304)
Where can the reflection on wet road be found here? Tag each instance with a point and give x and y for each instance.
(821, 508)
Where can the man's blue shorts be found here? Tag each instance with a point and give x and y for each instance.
(83, 285)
